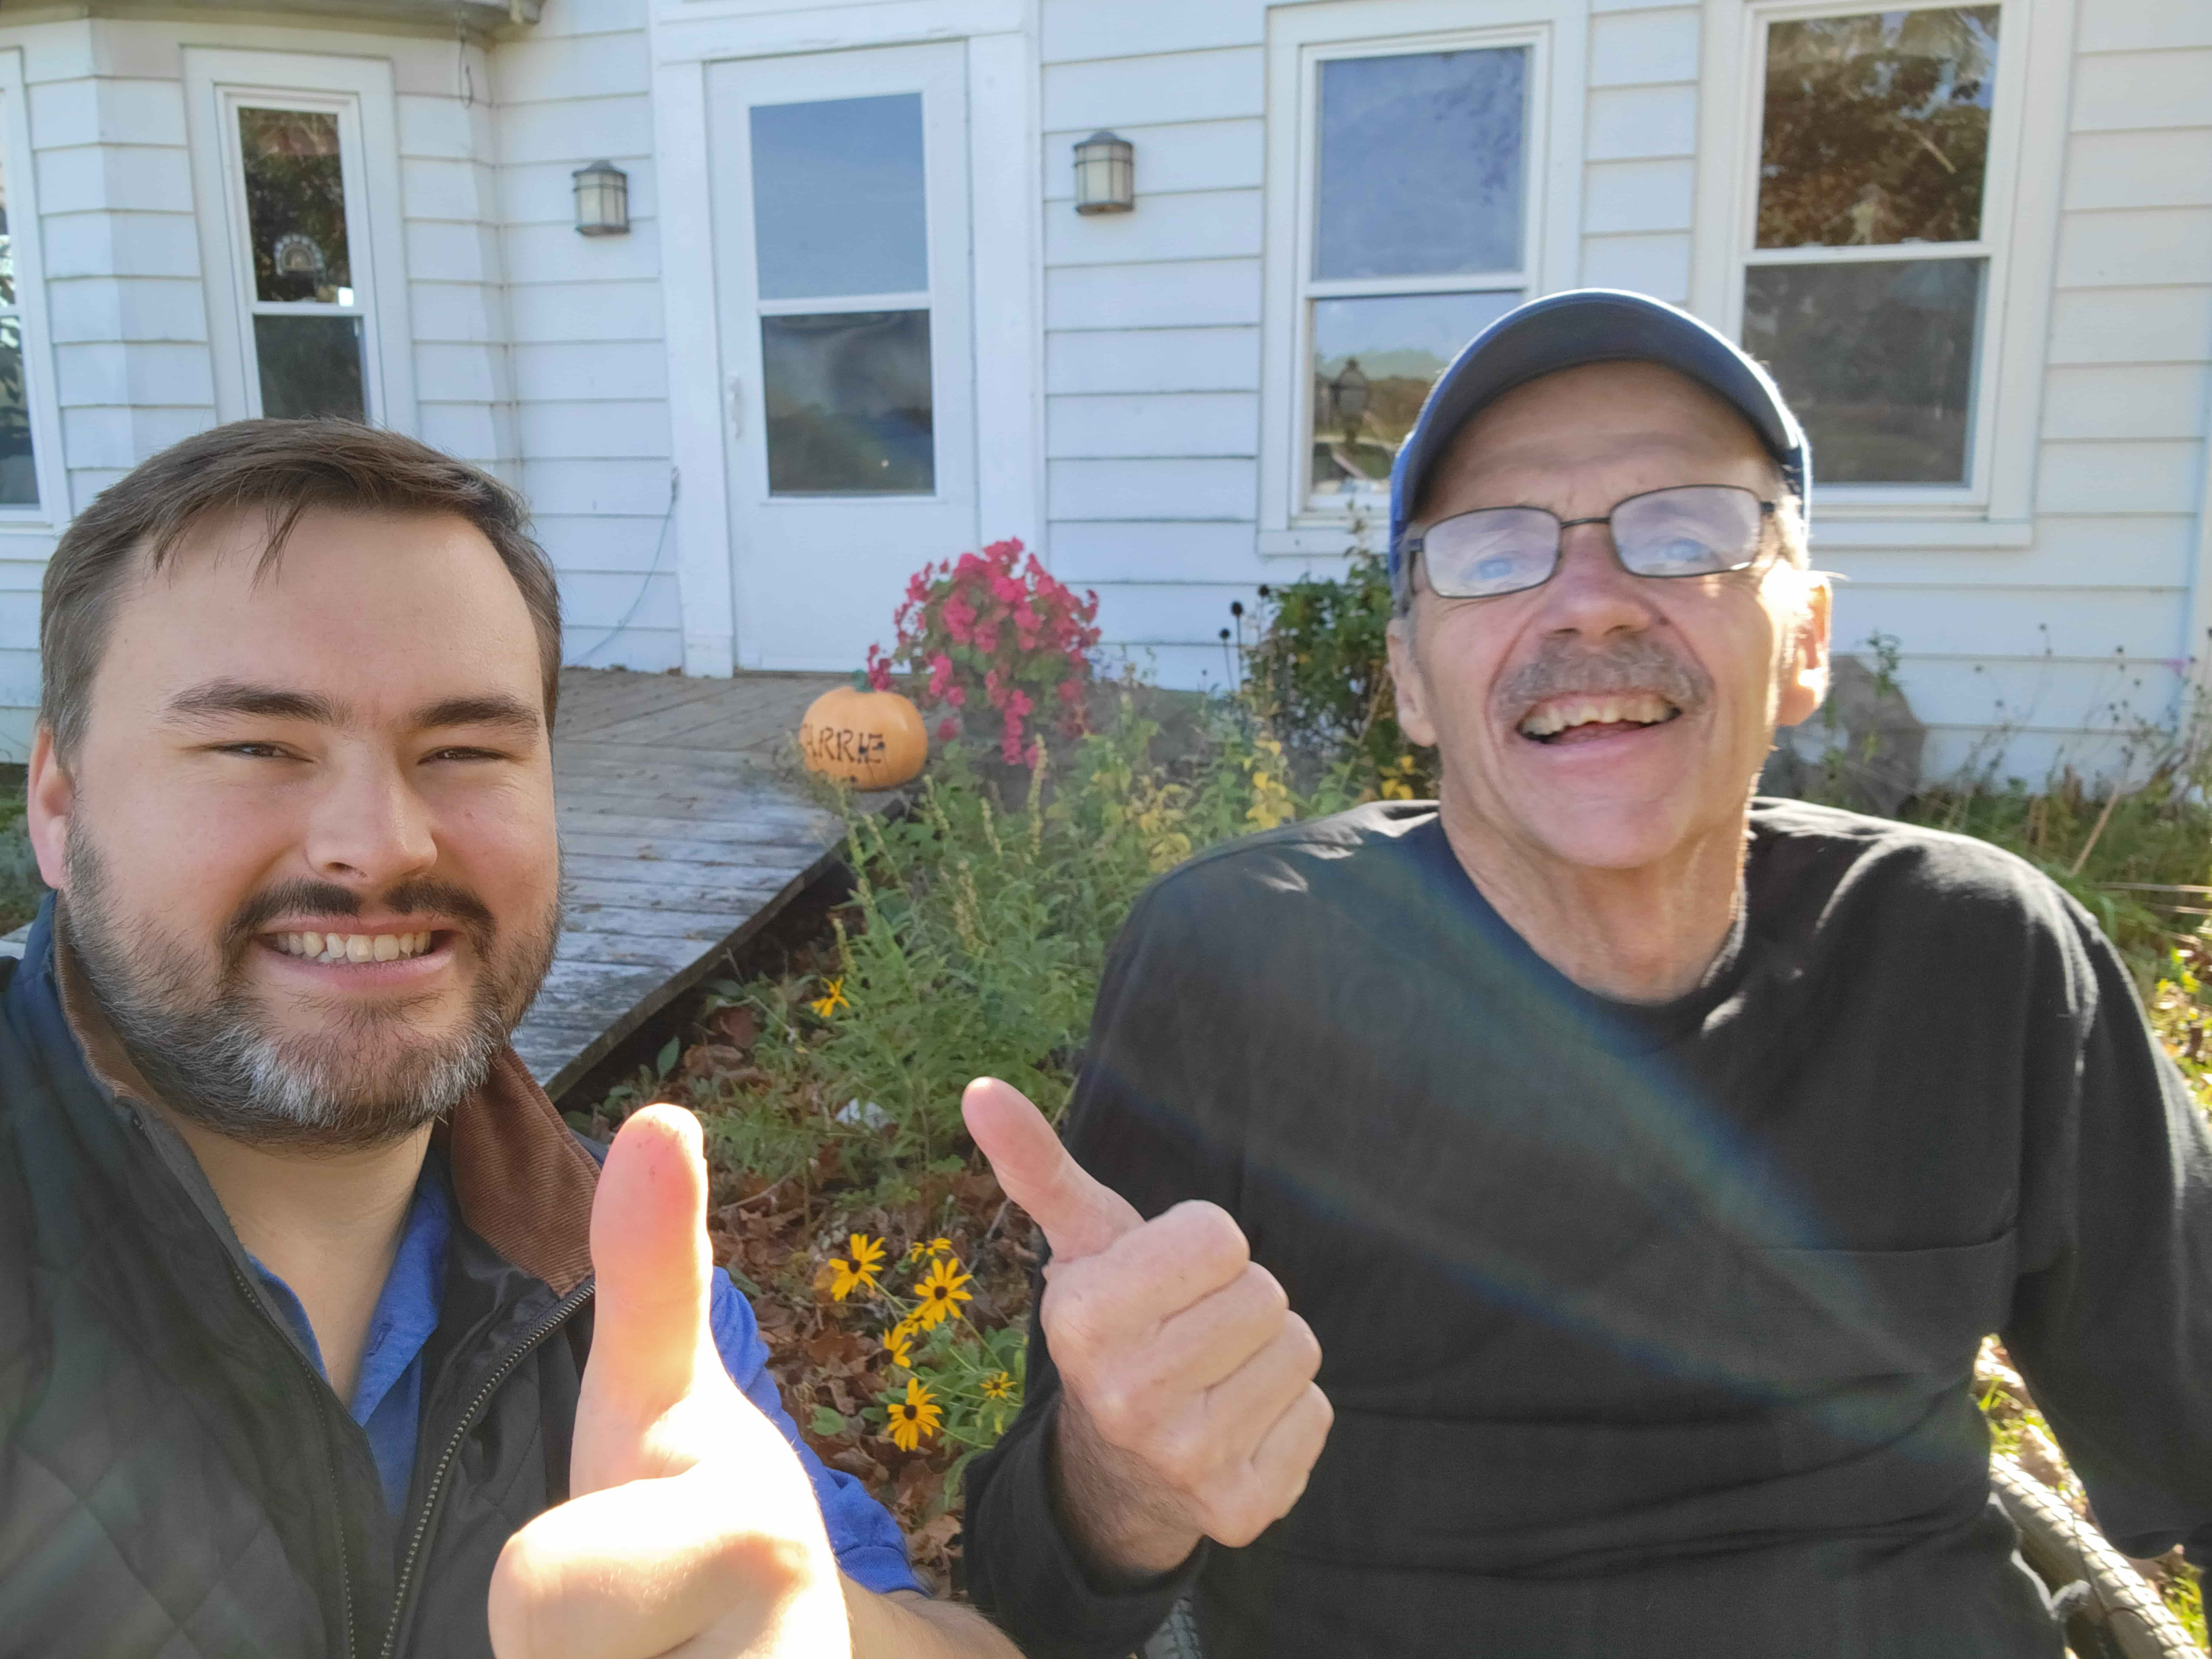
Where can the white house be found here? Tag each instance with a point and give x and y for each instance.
(857, 321)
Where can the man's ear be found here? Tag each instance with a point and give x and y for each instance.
(1405, 682)
(1804, 679)
(48, 795)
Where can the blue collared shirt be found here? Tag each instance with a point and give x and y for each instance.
(387, 1396)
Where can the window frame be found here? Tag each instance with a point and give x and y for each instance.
(1994, 507)
(359, 91)
(18, 169)
(1292, 521)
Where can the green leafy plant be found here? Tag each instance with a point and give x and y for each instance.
(1319, 675)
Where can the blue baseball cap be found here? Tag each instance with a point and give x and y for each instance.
(1591, 325)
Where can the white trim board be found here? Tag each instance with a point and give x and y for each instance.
(210, 73)
(26, 240)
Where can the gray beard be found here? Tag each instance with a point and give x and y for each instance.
(367, 1079)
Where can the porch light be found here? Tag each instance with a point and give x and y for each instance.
(602, 200)
(1105, 174)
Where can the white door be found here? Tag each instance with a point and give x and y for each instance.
(840, 187)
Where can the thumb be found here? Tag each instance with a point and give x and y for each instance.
(1080, 1216)
(650, 1255)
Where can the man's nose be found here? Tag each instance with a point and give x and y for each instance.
(1591, 593)
(369, 827)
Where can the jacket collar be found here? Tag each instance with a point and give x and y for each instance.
(522, 1180)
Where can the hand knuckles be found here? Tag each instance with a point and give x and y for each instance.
(1210, 1232)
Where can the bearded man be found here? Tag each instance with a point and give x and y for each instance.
(322, 1334)
(1629, 1168)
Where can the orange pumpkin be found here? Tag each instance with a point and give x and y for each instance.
(873, 740)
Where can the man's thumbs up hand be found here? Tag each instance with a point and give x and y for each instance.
(690, 1524)
(1189, 1408)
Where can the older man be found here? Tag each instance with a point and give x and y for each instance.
(302, 1348)
(1646, 1161)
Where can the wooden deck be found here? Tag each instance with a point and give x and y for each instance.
(680, 840)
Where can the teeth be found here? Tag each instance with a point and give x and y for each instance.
(353, 947)
(1558, 715)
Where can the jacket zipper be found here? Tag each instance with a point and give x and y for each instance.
(330, 1465)
(544, 1327)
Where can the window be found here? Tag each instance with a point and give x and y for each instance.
(1418, 233)
(1866, 283)
(306, 308)
(295, 161)
(34, 490)
(19, 473)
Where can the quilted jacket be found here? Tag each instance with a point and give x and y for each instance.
(176, 1479)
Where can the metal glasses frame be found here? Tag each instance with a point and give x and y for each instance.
(1414, 543)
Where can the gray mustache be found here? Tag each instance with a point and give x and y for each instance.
(1636, 664)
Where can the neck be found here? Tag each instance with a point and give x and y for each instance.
(1647, 934)
(327, 1224)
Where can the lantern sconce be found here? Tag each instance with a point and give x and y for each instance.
(1105, 174)
(602, 200)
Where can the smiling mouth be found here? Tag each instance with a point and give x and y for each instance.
(1580, 716)
(353, 947)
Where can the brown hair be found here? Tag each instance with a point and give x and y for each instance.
(285, 468)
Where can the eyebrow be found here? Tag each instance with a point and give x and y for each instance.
(495, 708)
(219, 698)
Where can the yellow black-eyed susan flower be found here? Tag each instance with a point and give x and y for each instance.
(939, 1294)
(846, 1277)
(913, 1416)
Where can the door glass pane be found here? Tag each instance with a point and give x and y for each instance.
(1374, 360)
(310, 366)
(1877, 360)
(838, 197)
(1420, 164)
(1877, 128)
(848, 403)
(295, 205)
(19, 485)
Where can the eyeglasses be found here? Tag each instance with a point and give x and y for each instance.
(1693, 529)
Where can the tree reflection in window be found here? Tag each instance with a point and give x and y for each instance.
(295, 205)
(19, 480)
(1877, 128)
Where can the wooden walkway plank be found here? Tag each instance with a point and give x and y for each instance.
(680, 840)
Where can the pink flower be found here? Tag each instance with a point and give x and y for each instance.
(1070, 691)
(947, 730)
(940, 673)
(956, 695)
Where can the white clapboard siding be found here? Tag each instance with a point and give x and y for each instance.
(585, 321)
(1152, 360)
(1151, 491)
(1209, 224)
(1645, 47)
(1152, 318)
(1186, 423)
(1640, 171)
(1173, 157)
